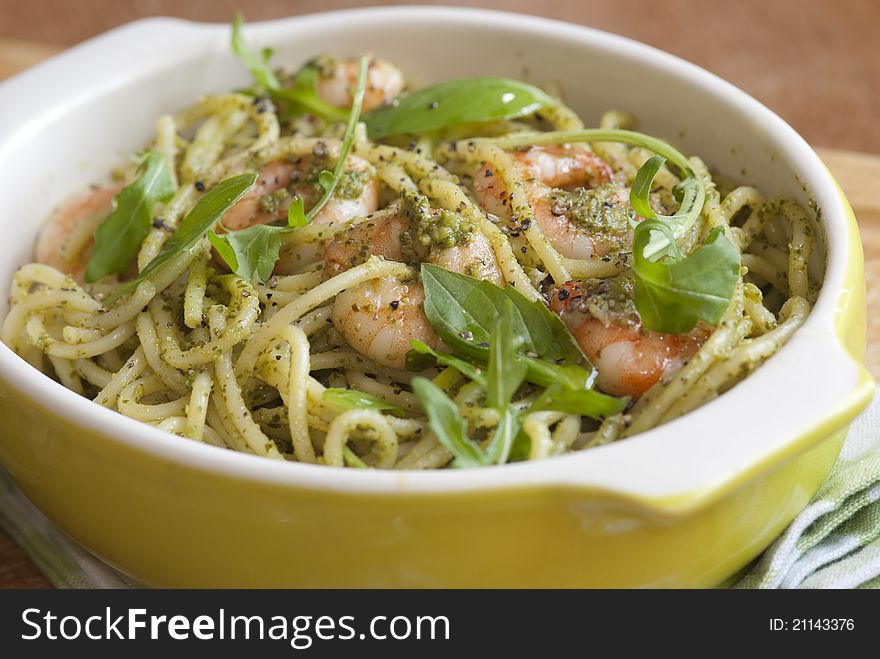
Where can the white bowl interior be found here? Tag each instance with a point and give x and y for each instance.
(66, 123)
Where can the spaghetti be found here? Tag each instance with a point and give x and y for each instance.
(537, 203)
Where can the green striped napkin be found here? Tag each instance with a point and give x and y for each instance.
(833, 543)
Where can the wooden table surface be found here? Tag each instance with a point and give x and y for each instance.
(812, 61)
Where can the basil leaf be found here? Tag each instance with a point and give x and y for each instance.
(672, 294)
(456, 102)
(326, 180)
(447, 425)
(224, 250)
(467, 369)
(256, 64)
(203, 217)
(584, 402)
(521, 447)
(568, 388)
(462, 310)
(251, 251)
(118, 238)
(353, 399)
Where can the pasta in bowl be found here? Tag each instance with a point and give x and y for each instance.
(340, 266)
(274, 276)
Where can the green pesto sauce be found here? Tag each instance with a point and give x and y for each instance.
(432, 229)
(610, 300)
(272, 202)
(594, 210)
(351, 184)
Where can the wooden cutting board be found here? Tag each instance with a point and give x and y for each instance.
(857, 173)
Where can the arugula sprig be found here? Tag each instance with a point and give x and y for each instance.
(466, 368)
(303, 96)
(506, 373)
(207, 212)
(354, 399)
(448, 104)
(672, 291)
(448, 425)
(253, 252)
(118, 238)
(691, 192)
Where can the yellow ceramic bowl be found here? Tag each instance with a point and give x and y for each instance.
(688, 504)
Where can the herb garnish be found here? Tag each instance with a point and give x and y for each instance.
(500, 340)
(204, 215)
(463, 311)
(354, 399)
(118, 238)
(456, 102)
(673, 293)
(505, 375)
(254, 251)
(303, 95)
(466, 368)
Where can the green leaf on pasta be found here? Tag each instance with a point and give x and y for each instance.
(251, 252)
(354, 399)
(673, 293)
(447, 424)
(466, 313)
(568, 388)
(642, 184)
(296, 216)
(258, 65)
(585, 402)
(463, 311)
(303, 96)
(506, 373)
(466, 368)
(118, 238)
(204, 216)
(254, 251)
(456, 102)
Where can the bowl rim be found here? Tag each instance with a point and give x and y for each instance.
(846, 390)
